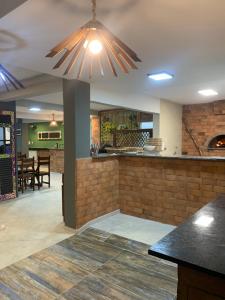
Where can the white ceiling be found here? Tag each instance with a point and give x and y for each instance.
(184, 37)
(57, 98)
(46, 110)
(43, 115)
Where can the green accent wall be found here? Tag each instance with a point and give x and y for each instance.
(33, 130)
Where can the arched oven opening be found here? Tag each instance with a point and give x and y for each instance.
(216, 143)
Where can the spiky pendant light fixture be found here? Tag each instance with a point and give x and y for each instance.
(94, 40)
(9, 80)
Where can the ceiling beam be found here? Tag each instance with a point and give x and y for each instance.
(9, 5)
(36, 86)
(38, 117)
(42, 105)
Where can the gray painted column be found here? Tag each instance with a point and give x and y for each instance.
(76, 97)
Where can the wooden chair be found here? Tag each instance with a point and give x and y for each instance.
(21, 156)
(40, 173)
(26, 173)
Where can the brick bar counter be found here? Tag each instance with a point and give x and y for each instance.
(161, 188)
(56, 157)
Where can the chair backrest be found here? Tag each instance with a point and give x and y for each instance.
(27, 164)
(43, 161)
(21, 156)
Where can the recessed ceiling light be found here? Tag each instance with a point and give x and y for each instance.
(160, 76)
(208, 92)
(34, 109)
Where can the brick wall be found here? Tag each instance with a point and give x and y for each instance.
(205, 121)
(95, 129)
(97, 188)
(164, 190)
(57, 160)
(168, 190)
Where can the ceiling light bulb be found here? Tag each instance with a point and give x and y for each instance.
(160, 76)
(95, 46)
(34, 109)
(86, 44)
(53, 123)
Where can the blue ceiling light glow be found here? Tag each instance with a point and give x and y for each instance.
(34, 109)
(2, 76)
(160, 76)
(9, 80)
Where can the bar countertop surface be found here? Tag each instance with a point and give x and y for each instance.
(146, 155)
(47, 149)
(198, 243)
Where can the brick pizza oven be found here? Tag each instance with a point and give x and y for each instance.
(204, 129)
(217, 142)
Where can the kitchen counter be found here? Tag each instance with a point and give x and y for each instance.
(198, 247)
(184, 157)
(199, 242)
(47, 149)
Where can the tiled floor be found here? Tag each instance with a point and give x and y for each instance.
(133, 228)
(31, 223)
(94, 265)
(34, 221)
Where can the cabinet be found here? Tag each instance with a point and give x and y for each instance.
(198, 285)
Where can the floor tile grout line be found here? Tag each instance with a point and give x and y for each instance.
(128, 250)
(112, 283)
(92, 274)
(118, 286)
(79, 282)
(114, 245)
(58, 294)
(95, 270)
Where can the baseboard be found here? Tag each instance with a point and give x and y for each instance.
(94, 221)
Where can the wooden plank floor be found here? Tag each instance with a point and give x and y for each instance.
(93, 265)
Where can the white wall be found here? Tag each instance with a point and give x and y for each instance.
(170, 127)
(126, 99)
(156, 118)
(167, 115)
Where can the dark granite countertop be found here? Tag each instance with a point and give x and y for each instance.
(104, 155)
(36, 149)
(146, 155)
(199, 242)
